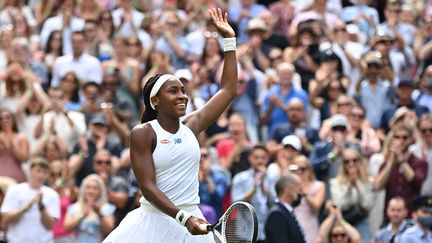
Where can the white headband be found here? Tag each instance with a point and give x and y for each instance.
(161, 80)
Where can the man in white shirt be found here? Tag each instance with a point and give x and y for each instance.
(64, 22)
(87, 67)
(127, 19)
(30, 209)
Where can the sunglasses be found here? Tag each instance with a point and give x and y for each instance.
(360, 116)
(338, 235)
(339, 129)
(340, 30)
(426, 130)
(347, 161)
(400, 137)
(211, 34)
(344, 104)
(106, 162)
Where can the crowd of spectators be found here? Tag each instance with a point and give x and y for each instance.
(336, 91)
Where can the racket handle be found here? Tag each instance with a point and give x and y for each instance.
(205, 227)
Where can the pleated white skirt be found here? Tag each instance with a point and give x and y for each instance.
(148, 225)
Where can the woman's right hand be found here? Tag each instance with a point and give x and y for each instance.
(193, 226)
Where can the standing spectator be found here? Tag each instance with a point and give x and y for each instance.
(365, 17)
(253, 184)
(66, 22)
(233, 151)
(240, 15)
(68, 125)
(70, 85)
(402, 173)
(362, 133)
(213, 183)
(116, 186)
(403, 97)
(422, 214)
(14, 148)
(396, 212)
(126, 18)
(352, 191)
(51, 148)
(297, 126)
(373, 89)
(81, 161)
(313, 198)
(67, 191)
(91, 216)
(282, 225)
(326, 155)
(423, 149)
(273, 108)
(52, 50)
(13, 86)
(45, 9)
(30, 209)
(90, 9)
(283, 11)
(86, 67)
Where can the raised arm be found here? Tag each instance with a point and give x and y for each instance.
(204, 117)
(142, 139)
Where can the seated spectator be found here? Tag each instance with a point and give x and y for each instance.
(91, 217)
(397, 213)
(423, 95)
(30, 209)
(422, 215)
(51, 148)
(344, 104)
(70, 85)
(14, 147)
(213, 183)
(313, 198)
(126, 18)
(92, 93)
(352, 191)
(297, 126)
(116, 186)
(402, 173)
(13, 86)
(335, 229)
(253, 186)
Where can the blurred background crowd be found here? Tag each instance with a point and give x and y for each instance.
(336, 91)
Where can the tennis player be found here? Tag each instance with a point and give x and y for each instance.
(165, 155)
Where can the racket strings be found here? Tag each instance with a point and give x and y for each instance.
(239, 225)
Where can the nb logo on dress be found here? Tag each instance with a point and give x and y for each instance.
(177, 141)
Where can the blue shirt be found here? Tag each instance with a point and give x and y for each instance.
(384, 235)
(214, 199)
(350, 13)
(254, 11)
(278, 115)
(415, 235)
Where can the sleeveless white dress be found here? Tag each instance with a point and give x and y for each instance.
(176, 158)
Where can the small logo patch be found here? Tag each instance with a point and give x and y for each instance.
(164, 141)
(177, 141)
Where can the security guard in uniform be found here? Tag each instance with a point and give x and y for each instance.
(422, 214)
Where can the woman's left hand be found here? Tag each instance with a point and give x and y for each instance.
(221, 22)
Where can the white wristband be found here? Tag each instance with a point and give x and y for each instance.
(182, 216)
(229, 44)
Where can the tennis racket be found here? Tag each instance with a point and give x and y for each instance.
(237, 225)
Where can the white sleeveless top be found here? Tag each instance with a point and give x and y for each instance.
(176, 158)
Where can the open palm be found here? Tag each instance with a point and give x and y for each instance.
(221, 22)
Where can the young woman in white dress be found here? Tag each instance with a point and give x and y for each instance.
(165, 155)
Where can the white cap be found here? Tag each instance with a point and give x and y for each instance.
(293, 141)
(184, 73)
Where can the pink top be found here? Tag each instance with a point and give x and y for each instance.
(10, 166)
(58, 228)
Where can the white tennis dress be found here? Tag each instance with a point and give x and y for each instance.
(176, 158)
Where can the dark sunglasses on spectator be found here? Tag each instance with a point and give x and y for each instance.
(400, 137)
(344, 104)
(338, 235)
(347, 161)
(360, 116)
(385, 42)
(106, 162)
(373, 65)
(340, 30)
(426, 130)
(339, 128)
